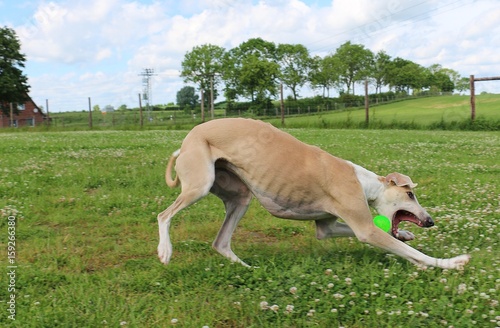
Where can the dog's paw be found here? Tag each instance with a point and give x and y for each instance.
(163, 255)
(459, 262)
(404, 235)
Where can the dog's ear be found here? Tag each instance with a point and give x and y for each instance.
(399, 180)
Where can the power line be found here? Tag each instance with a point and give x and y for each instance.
(414, 18)
(147, 94)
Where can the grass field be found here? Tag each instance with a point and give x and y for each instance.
(85, 204)
(434, 112)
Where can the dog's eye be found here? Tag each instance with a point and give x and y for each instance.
(411, 195)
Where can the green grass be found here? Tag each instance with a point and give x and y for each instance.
(86, 238)
(445, 112)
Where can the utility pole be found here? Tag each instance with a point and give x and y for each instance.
(146, 74)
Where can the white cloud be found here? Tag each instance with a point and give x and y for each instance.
(77, 40)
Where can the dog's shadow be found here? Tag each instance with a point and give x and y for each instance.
(322, 253)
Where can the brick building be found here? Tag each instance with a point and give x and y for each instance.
(29, 114)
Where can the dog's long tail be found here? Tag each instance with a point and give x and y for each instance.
(172, 183)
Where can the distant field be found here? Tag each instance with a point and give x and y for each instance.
(85, 204)
(416, 114)
(423, 111)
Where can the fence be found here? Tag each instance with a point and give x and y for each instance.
(175, 117)
(473, 92)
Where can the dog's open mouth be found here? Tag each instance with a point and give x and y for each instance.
(401, 216)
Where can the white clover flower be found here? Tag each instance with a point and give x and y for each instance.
(174, 321)
(462, 288)
(289, 308)
(264, 305)
(293, 290)
(274, 307)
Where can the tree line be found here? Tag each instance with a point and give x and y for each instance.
(256, 68)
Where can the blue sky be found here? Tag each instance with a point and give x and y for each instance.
(93, 48)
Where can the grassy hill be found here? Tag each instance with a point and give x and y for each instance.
(422, 112)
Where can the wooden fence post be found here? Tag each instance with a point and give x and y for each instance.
(473, 92)
(367, 104)
(472, 99)
(90, 114)
(282, 106)
(140, 110)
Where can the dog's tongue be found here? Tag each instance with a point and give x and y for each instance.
(401, 216)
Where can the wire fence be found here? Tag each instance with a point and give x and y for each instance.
(175, 116)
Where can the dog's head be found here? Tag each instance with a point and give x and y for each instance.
(399, 203)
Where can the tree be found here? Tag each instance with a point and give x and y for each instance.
(295, 63)
(14, 86)
(404, 75)
(204, 66)
(324, 73)
(251, 70)
(444, 79)
(442, 82)
(96, 109)
(463, 84)
(186, 97)
(381, 70)
(355, 63)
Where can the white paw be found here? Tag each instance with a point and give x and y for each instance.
(460, 261)
(404, 235)
(163, 255)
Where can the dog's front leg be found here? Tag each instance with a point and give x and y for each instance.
(377, 237)
(358, 217)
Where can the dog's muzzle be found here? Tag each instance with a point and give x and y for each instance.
(428, 222)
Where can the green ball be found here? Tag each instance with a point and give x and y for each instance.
(382, 222)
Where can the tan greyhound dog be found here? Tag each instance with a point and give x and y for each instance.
(236, 158)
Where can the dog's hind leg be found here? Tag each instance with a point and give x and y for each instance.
(236, 197)
(330, 227)
(197, 176)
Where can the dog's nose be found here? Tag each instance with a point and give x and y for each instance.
(428, 222)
